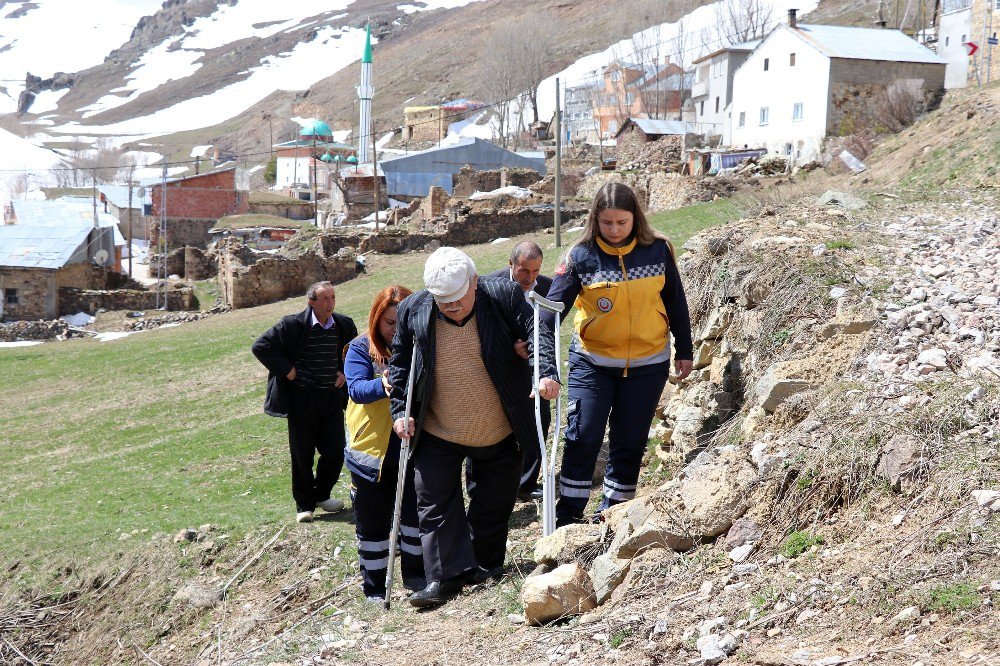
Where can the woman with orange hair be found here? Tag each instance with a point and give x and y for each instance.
(372, 455)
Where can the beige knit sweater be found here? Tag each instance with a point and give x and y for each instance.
(464, 406)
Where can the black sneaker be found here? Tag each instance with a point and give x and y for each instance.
(530, 495)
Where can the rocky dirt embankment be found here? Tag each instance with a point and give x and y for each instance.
(836, 479)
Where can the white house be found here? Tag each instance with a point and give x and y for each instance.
(954, 31)
(805, 82)
(712, 91)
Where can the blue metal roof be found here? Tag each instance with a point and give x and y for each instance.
(413, 174)
(43, 246)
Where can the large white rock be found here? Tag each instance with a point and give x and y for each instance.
(565, 543)
(717, 494)
(773, 389)
(607, 572)
(567, 590)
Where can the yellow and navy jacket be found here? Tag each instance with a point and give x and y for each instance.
(628, 301)
(369, 424)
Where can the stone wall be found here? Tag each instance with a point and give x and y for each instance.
(292, 211)
(181, 232)
(518, 177)
(250, 278)
(73, 300)
(434, 203)
(656, 191)
(858, 92)
(199, 265)
(36, 293)
(634, 152)
(33, 330)
(468, 180)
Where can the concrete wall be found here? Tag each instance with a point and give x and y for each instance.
(986, 23)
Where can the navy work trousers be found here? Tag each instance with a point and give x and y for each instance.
(599, 397)
(374, 502)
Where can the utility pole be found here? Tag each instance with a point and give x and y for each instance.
(130, 175)
(93, 192)
(375, 175)
(558, 189)
(161, 245)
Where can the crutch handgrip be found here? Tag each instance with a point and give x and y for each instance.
(554, 306)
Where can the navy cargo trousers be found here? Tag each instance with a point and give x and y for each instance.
(598, 397)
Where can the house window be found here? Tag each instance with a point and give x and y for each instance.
(743, 119)
(767, 64)
(946, 40)
(612, 126)
(629, 98)
(615, 75)
(963, 39)
(716, 104)
(764, 113)
(791, 60)
(702, 112)
(10, 296)
(797, 111)
(788, 149)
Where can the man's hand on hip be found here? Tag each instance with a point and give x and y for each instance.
(291, 374)
(341, 379)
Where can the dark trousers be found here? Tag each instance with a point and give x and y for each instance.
(455, 541)
(532, 453)
(373, 506)
(315, 425)
(604, 396)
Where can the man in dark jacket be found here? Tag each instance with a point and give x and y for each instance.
(525, 268)
(305, 383)
(472, 399)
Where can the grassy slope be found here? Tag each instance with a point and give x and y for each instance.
(163, 430)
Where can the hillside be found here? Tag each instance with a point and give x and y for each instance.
(236, 74)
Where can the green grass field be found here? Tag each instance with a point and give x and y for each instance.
(163, 430)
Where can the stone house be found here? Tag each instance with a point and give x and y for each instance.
(354, 191)
(634, 139)
(37, 261)
(431, 123)
(805, 82)
(194, 204)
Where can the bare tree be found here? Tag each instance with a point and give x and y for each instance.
(104, 163)
(515, 60)
(739, 21)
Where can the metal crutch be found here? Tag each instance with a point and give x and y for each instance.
(548, 460)
(404, 459)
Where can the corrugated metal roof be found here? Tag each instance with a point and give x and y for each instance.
(836, 41)
(118, 195)
(659, 127)
(414, 173)
(69, 210)
(41, 245)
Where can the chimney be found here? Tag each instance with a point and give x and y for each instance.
(793, 22)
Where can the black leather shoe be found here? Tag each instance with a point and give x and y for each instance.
(436, 593)
(530, 495)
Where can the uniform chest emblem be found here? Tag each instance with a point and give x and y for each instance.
(604, 304)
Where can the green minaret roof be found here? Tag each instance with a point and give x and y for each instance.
(367, 57)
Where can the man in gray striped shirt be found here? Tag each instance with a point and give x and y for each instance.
(303, 354)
